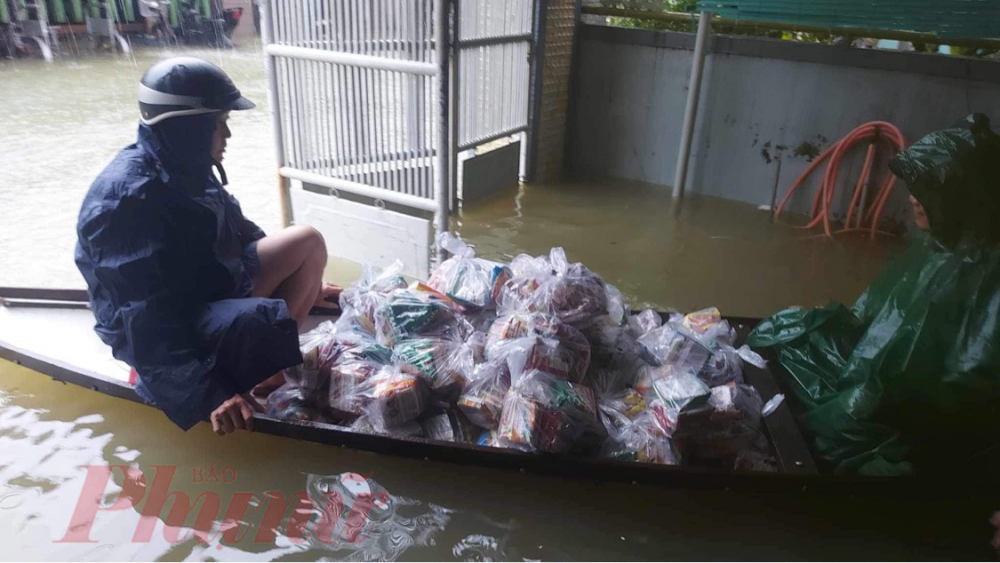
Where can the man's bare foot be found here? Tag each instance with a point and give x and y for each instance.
(264, 388)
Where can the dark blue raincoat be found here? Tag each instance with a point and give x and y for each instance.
(169, 261)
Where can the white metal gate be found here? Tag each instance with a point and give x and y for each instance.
(493, 73)
(357, 90)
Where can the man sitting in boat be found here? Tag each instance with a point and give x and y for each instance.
(186, 290)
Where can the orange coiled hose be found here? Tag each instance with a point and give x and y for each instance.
(876, 131)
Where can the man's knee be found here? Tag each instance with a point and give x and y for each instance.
(309, 243)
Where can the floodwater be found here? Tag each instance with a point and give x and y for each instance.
(61, 122)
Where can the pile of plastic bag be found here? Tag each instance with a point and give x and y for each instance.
(539, 356)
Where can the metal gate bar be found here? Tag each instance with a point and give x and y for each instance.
(491, 72)
(355, 89)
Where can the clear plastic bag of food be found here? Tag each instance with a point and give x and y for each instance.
(642, 440)
(414, 312)
(512, 326)
(444, 364)
(541, 341)
(618, 308)
(469, 280)
(618, 409)
(321, 338)
(363, 349)
(605, 339)
(548, 355)
(473, 334)
(726, 364)
(727, 424)
(710, 353)
(489, 439)
(546, 413)
(365, 296)
(319, 349)
(680, 389)
(449, 425)
(701, 322)
(672, 345)
(358, 359)
(648, 375)
(393, 398)
(555, 286)
(366, 425)
(482, 399)
(348, 385)
(643, 322)
(291, 402)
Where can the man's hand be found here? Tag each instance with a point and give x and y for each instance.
(329, 296)
(236, 412)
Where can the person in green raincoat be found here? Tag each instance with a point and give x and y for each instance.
(908, 379)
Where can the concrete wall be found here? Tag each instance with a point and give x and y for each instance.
(762, 100)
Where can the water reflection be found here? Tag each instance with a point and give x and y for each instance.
(59, 497)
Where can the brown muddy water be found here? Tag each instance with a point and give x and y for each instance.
(60, 123)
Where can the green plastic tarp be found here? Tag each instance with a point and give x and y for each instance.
(908, 379)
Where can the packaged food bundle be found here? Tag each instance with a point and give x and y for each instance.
(471, 330)
(546, 413)
(449, 425)
(644, 322)
(444, 364)
(482, 399)
(641, 439)
(469, 280)
(726, 364)
(489, 439)
(609, 380)
(625, 404)
(618, 308)
(672, 345)
(616, 358)
(680, 389)
(605, 339)
(726, 425)
(367, 425)
(360, 301)
(321, 344)
(648, 375)
(291, 402)
(709, 353)
(703, 321)
(393, 398)
(477, 321)
(308, 374)
(348, 384)
(542, 338)
(413, 312)
(548, 355)
(354, 349)
(552, 285)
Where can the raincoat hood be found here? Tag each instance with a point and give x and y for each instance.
(183, 147)
(955, 174)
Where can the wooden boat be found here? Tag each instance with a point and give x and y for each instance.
(51, 332)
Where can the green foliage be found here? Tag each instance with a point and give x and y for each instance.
(691, 6)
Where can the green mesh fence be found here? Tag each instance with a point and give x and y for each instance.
(954, 18)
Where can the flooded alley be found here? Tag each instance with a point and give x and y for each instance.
(61, 124)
